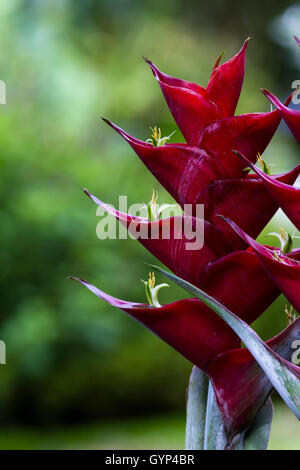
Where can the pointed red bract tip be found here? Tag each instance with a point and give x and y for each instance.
(226, 80)
(77, 279)
(120, 131)
(297, 41)
(86, 191)
(153, 67)
(106, 120)
(291, 116)
(275, 101)
(148, 61)
(246, 42)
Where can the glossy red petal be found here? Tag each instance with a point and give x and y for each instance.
(240, 384)
(187, 325)
(250, 134)
(175, 82)
(170, 240)
(291, 116)
(287, 196)
(194, 107)
(239, 281)
(191, 110)
(245, 201)
(183, 170)
(226, 81)
(284, 273)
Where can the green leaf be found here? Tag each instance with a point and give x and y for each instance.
(257, 436)
(215, 433)
(283, 375)
(215, 437)
(196, 410)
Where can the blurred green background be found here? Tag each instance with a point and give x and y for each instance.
(80, 374)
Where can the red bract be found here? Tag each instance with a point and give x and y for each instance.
(238, 281)
(182, 169)
(245, 201)
(170, 240)
(186, 325)
(283, 269)
(226, 81)
(202, 337)
(194, 107)
(287, 196)
(291, 116)
(250, 134)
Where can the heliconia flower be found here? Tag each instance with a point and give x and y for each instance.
(245, 201)
(283, 268)
(202, 337)
(286, 195)
(152, 290)
(171, 240)
(291, 116)
(241, 386)
(193, 106)
(232, 278)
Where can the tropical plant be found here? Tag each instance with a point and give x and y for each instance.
(232, 278)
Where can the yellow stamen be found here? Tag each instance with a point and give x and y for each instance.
(156, 139)
(283, 234)
(151, 280)
(263, 164)
(290, 314)
(154, 198)
(260, 160)
(156, 134)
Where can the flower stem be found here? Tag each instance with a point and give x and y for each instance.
(215, 435)
(196, 410)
